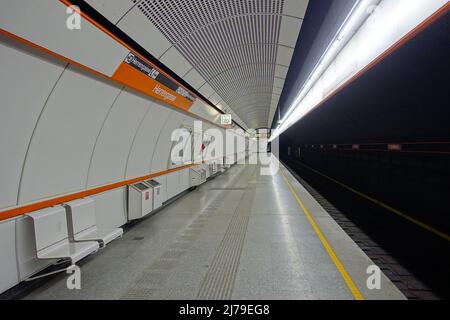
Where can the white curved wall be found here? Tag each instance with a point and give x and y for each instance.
(61, 147)
(141, 154)
(161, 156)
(81, 131)
(19, 112)
(113, 146)
(65, 130)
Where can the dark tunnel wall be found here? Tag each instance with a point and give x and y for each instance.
(404, 99)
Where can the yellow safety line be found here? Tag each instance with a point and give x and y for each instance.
(385, 206)
(348, 280)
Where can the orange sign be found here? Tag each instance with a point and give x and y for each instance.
(143, 77)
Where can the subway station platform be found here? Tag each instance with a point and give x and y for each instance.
(240, 236)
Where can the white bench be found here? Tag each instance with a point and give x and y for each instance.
(83, 223)
(52, 239)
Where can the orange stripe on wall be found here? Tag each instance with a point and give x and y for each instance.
(143, 83)
(99, 26)
(51, 53)
(11, 213)
(60, 57)
(125, 75)
(132, 77)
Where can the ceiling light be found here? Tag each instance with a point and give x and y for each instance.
(346, 54)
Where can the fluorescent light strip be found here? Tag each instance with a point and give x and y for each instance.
(329, 53)
(359, 41)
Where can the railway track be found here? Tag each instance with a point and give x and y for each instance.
(421, 282)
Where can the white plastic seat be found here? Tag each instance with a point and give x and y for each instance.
(52, 239)
(83, 223)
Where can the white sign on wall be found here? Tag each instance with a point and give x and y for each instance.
(225, 119)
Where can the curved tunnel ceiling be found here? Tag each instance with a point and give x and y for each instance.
(236, 53)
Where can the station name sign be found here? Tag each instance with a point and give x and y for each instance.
(143, 76)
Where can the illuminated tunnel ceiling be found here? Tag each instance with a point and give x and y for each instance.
(318, 29)
(235, 53)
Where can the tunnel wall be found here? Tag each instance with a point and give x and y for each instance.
(65, 129)
(387, 134)
(414, 183)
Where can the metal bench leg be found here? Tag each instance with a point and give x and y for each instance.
(53, 272)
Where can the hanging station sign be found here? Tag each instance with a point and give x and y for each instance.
(226, 120)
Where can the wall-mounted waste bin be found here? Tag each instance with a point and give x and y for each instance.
(140, 200)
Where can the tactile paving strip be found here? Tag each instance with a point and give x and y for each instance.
(219, 281)
(150, 283)
(139, 294)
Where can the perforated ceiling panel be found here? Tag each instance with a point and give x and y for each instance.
(236, 47)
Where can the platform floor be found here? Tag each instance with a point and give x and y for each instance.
(242, 235)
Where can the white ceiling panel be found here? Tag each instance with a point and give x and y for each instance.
(278, 83)
(215, 99)
(113, 10)
(194, 78)
(141, 30)
(277, 90)
(290, 28)
(176, 61)
(281, 71)
(284, 55)
(206, 90)
(241, 49)
(295, 8)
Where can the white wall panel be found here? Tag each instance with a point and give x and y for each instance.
(188, 123)
(284, 55)
(173, 184)
(184, 180)
(25, 83)
(61, 148)
(163, 181)
(116, 138)
(279, 83)
(145, 142)
(44, 22)
(295, 8)
(281, 71)
(8, 262)
(205, 111)
(176, 62)
(110, 208)
(113, 10)
(141, 30)
(163, 148)
(290, 28)
(215, 98)
(206, 90)
(277, 90)
(194, 79)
